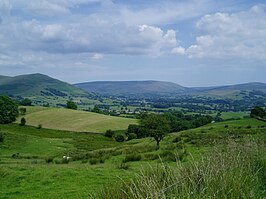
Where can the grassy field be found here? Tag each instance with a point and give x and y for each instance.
(31, 161)
(72, 120)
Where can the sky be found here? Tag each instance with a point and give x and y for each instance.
(189, 42)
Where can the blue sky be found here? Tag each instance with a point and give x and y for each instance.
(190, 42)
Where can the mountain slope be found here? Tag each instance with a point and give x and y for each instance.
(132, 87)
(237, 89)
(37, 85)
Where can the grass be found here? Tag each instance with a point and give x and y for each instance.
(97, 161)
(234, 171)
(72, 120)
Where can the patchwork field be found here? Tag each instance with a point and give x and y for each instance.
(72, 120)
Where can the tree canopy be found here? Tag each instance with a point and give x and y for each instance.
(71, 105)
(8, 110)
(156, 126)
(257, 112)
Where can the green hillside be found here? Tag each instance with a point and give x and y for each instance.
(31, 162)
(36, 85)
(72, 120)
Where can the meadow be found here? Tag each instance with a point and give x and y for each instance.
(32, 163)
(73, 120)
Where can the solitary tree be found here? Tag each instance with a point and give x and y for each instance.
(71, 105)
(156, 126)
(8, 110)
(22, 122)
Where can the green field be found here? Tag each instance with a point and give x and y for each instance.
(96, 161)
(72, 120)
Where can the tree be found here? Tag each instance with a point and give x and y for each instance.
(96, 109)
(135, 129)
(22, 122)
(22, 111)
(257, 112)
(156, 126)
(71, 105)
(8, 110)
(26, 102)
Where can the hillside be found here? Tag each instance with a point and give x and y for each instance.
(132, 87)
(238, 89)
(72, 120)
(37, 85)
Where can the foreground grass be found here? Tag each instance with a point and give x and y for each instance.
(97, 161)
(72, 120)
(237, 170)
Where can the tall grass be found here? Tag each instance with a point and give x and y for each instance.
(237, 170)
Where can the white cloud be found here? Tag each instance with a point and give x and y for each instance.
(178, 50)
(44, 7)
(225, 35)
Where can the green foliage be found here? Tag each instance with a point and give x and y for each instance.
(96, 109)
(132, 157)
(257, 112)
(26, 102)
(93, 161)
(109, 133)
(156, 126)
(136, 129)
(234, 171)
(131, 136)
(71, 105)
(2, 137)
(8, 110)
(22, 110)
(22, 122)
(49, 159)
(119, 138)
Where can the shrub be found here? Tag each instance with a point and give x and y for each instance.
(49, 159)
(2, 137)
(22, 122)
(132, 136)
(39, 126)
(248, 127)
(93, 161)
(132, 158)
(109, 133)
(226, 126)
(84, 161)
(120, 138)
(22, 111)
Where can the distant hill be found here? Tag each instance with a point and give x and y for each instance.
(37, 84)
(256, 88)
(133, 87)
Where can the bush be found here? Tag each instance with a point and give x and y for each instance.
(22, 111)
(120, 138)
(93, 161)
(248, 127)
(39, 126)
(109, 133)
(22, 122)
(132, 158)
(71, 105)
(132, 136)
(49, 159)
(226, 126)
(2, 137)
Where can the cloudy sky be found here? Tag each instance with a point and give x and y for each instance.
(190, 42)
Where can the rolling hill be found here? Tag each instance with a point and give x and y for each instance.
(133, 87)
(72, 120)
(36, 85)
